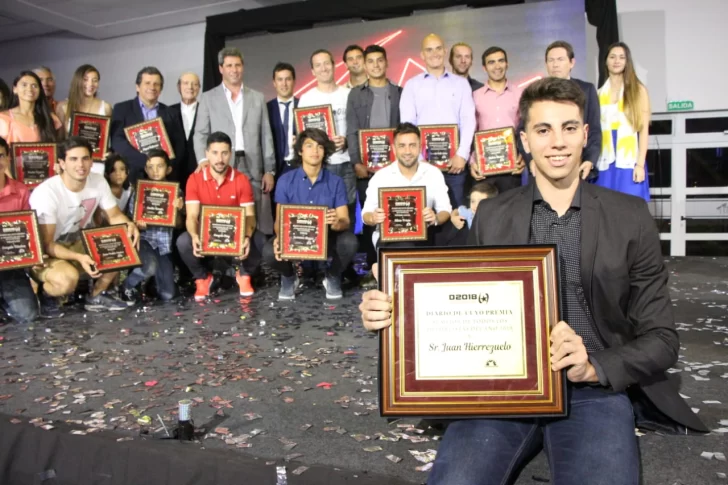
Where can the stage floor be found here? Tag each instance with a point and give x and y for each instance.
(302, 374)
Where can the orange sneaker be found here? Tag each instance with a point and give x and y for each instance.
(246, 288)
(203, 288)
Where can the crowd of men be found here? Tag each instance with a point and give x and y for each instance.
(233, 148)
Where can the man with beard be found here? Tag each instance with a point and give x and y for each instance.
(354, 60)
(461, 60)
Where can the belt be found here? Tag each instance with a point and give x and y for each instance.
(240, 153)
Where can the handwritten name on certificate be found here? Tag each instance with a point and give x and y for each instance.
(470, 330)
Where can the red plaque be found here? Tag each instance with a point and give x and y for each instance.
(149, 135)
(94, 129)
(439, 144)
(20, 244)
(303, 233)
(111, 248)
(33, 162)
(495, 151)
(222, 230)
(470, 333)
(377, 148)
(404, 218)
(154, 203)
(320, 117)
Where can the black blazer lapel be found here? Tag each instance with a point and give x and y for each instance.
(589, 237)
(137, 111)
(521, 210)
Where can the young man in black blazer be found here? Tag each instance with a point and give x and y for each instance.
(145, 106)
(618, 333)
(280, 115)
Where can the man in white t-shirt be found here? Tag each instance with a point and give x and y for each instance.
(408, 172)
(327, 92)
(65, 204)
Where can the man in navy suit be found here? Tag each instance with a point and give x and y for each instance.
(280, 114)
(145, 106)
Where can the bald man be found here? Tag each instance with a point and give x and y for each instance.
(439, 97)
(188, 86)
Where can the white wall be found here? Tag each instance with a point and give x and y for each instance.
(173, 51)
(678, 47)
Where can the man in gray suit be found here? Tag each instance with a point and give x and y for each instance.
(241, 113)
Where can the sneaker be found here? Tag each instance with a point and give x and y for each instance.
(351, 275)
(332, 285)
(203, 288)
(50, 307)
(104, 301)
(288, 287)
(246, 288)
(130, 296)
(368, 282)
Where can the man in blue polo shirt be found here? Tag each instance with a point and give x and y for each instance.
(310, 184)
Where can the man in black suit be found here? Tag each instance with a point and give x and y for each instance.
(145, 106)
(559, 63)
(188, 86)
(620, 338)
(280, 114)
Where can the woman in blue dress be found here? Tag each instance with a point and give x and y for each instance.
(625, 117)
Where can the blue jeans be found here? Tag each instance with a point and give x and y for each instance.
(594, 445)
(153, 265)
(17, 297)
(456, 187)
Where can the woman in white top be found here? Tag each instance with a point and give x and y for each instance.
(82, 96)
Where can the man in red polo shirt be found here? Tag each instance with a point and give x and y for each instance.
(16, 294)
(217, 184)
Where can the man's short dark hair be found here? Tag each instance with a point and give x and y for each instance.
(4, 144)
(492, 50)
(550, 89)
(219, 137)
(152, 71)
(321, 51)
(317, 135)
(406, 129)
(372, 49)
(158, 153)
(484, 187)
(562, 44)
(73, 142)
(284, 66)
(350, 48)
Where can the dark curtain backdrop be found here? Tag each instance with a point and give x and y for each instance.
(303, 15)
(602, 14)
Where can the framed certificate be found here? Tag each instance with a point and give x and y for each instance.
(439, 144)
(222, 230)
(111, 248)
(470, 333)
(20, 244)
(154, 203)
(149, 135)
(321, 117)
(33, 162)
(404, 218)
(302, 232)
(495, 151)
(94, 129)
(377, 147)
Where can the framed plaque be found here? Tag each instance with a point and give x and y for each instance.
(94, 129)
(33, 162)
(404, 218)
(154, 203)
(377, 147)
(495, 151)
(470, 333)
(302, 232)
(111, 248)
(20, 244)
(149, 135)
(439, 144)
(321, 117)
(222, 230)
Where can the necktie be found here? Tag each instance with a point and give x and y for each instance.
(286, 135)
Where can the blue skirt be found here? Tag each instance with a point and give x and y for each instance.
(620, 179)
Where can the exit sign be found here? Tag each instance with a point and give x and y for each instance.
(680, 106)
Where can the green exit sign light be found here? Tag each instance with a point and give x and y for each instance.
(680, 106)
